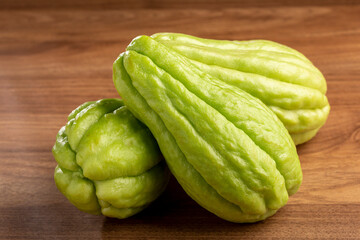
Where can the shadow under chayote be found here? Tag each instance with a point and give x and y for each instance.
(174, 214)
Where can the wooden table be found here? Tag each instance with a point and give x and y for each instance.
(55, 55)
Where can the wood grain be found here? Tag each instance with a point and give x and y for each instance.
(53, 57)
(164, 4)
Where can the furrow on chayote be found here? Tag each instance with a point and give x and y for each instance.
(64, 155)
(77, 126)
(264, 45)
(120, 156)
(269, 91)
(304, 136)
(269, 67)
(132, 191)
(301, 109)
(79, 109)
(261, 55)
(80, 191)
(302, 120)
(187, 176)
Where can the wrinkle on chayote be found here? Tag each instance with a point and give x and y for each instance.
(281, 77)
(108, 161)
(226, 148)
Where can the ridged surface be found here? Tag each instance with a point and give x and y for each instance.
(282, 78)
(108, 162)
(228, 150)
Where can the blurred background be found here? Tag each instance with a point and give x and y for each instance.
(72, 43)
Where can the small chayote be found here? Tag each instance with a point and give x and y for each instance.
(108, 161)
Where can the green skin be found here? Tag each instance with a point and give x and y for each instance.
(229, 151)
(108, 161)
(282, 78)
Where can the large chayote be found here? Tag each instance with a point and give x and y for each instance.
(226, 148)
(284, 79)
(108, 161)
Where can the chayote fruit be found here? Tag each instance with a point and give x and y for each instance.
(282, 78)
(228, 150)
(108, 161)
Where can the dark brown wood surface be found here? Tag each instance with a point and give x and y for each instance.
(55, 55)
